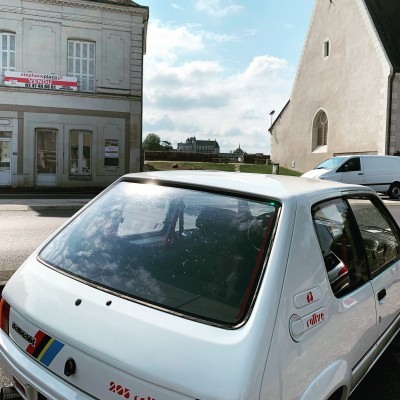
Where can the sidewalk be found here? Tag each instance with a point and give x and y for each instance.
(33, 199)
(41, 204)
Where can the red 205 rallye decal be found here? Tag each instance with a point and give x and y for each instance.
(126, 392)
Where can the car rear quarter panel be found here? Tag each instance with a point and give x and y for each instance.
(343, 335)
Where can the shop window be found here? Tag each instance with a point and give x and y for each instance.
(111, 158)
(7, 42)
(80, 153)
(5, 155)
(81, 63)
(46, 151)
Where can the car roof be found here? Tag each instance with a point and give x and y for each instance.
(270, 186)
(366, 156)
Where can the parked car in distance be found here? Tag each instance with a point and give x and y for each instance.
(381, 173)
(206, 285)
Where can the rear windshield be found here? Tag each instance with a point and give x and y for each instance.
(191, 252)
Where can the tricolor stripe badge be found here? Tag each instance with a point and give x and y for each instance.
(45, 349)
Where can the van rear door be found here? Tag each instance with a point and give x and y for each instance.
(352, 171)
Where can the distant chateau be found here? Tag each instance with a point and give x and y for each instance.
(192, 145)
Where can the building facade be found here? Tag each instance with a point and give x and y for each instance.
(192, 145)
(345, 98)
(70, 91)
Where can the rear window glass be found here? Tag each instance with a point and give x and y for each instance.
(192, 252)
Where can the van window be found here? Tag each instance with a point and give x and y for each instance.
(353, 164)
(330, 163)
(379, 235)
(194, 253)
(337, 237)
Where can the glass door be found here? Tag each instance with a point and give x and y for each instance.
(5, 162)
(46, 157)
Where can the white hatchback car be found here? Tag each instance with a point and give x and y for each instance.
(206, 285)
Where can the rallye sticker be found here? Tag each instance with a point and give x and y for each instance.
(45, 349)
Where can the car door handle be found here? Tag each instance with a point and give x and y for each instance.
(381, 294)
(361, 173)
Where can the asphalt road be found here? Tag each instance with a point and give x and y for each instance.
(23, 231)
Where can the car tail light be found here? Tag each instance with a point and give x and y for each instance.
(4, 316)
(18, 385)
(342, 271)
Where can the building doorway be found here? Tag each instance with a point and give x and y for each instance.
(46, 157)
(5, 160)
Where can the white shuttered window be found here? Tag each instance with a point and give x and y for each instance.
(7, 43)
(81, 63)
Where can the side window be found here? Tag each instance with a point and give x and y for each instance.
(353, 164)
(337, 237)
(379, 236)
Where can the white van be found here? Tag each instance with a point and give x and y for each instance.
(381, 173)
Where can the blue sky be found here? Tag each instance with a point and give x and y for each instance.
(215, 69)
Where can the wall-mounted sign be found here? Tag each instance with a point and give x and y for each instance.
(40, 81)
(111, 158)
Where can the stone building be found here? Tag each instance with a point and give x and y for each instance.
(192, 145)
(346, 95)
(70, 91)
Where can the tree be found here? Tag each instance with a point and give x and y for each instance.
(166, 146)
(152, 142)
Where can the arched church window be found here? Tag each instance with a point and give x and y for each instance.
(321, 129)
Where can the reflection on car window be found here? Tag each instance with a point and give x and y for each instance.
(343, 260)
(192, 252)
(379, 236)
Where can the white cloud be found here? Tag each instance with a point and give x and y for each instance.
(217, 8)
(219, 38)
(177, 6)
(186, 98)
(263, 67)
(250, 32)
(166, 42)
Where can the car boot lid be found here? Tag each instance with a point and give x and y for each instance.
(161, 348)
